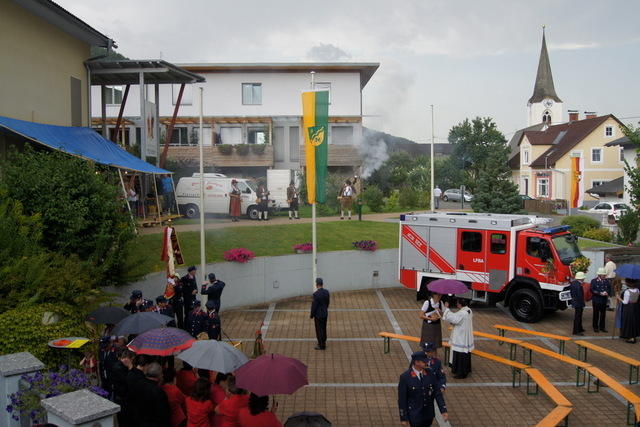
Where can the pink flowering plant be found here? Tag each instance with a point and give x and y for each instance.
(366, 245)
(239, 255)
(303, 247)
(41, 385)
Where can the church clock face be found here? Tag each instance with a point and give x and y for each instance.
(548, 103)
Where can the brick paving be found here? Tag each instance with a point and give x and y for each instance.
(353, 383)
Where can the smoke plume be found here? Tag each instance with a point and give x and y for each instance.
(373, 150)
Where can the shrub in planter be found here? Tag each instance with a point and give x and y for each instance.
(602, 234)
(366, 245)
(242, 149)
(225, 149)
(239, 255)
(258, 148)
(579, 224)
(303, 247)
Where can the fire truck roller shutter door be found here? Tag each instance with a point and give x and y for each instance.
(414, 247)
(498, 259)
(442, 250)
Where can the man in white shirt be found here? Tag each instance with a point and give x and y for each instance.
(437, 192)
(610, 269)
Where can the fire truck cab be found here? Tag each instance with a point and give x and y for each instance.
(499, 257)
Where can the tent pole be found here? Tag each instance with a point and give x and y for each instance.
(175, 196)
(126, 198)
(155, 188)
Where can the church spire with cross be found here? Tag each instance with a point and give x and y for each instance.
(544, 106)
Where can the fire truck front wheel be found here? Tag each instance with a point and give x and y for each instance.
(526, 305)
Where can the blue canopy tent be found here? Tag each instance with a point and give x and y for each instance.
(81, 142)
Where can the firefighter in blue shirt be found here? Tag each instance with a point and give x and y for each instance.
(417, 389)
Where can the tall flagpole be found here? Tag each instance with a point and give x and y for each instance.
(314, 240)
(202, 257)
(432, 167)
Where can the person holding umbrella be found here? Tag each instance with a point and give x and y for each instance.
(461, 339)
(430, 314)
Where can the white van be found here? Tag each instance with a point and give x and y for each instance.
(216, 196)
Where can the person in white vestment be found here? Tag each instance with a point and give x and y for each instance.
(461, 339)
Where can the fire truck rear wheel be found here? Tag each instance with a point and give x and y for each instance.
(526, 306)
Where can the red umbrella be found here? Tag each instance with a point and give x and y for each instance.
(448, 286)
(161, 342)
(272, 374)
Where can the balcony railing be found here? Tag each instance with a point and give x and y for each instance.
(213, 156)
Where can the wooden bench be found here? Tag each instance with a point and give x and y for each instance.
(561, 339)
(516, 367)
(387, 339)
(502, 339)
(625, 393)
(581, 367)
(633, 363)
(549, 389)
(554, 417)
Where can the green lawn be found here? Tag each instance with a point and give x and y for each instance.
(587, 244)
(267, 240)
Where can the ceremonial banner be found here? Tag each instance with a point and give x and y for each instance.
(577, 182)
(315, 119)
(171, 252)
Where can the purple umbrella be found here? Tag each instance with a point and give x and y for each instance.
(272, 374)
(448, 286)
(161, 342)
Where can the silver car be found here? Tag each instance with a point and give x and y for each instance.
(454, 195)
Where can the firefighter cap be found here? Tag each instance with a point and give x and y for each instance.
(419, 355)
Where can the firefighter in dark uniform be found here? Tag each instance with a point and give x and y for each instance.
(137, 303)
(189, 291)
(163, 307)
(435, 365)
(213, 321)
(417, 390)
(213, 291)
(196, 320)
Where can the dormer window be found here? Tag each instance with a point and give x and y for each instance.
(525, 157)
(608, 131)
(546, 118)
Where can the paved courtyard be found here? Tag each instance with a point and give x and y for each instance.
(353, 383)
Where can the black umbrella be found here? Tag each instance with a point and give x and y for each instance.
(141, 322)
(307, 419)
(107, 315)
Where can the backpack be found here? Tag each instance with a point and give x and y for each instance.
(586, 290)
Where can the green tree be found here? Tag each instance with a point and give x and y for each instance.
(473, 141)
(80, 207)
(448, 173)
(632, 170)
(495, 192)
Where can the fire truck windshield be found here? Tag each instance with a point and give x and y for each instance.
(567, 248)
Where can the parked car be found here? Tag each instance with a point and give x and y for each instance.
(453, 194)
(615, 209)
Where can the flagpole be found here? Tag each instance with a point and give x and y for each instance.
(314, 235)
(432, 167)
(202, 257)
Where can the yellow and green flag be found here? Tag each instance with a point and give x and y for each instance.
(315, 120)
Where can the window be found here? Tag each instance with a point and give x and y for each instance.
(180, 136)
(231, 135)
(498, 243)
(621, 159)
(278, 143)
(471, 241)
(323, 86)
(525, 157)
(256, 136)
(113, 95)
(187, 94)
(546, 118)
(342, 135)
(533, 246)
(543, 187)
(596, 155)
(76, 102)
(252, 93)
(294, 144)
(608, 131)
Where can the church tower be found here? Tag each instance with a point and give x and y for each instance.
(544, 106)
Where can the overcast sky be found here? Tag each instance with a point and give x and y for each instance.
(467, 57)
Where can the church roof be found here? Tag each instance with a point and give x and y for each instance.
(544, 80)
(562, 138)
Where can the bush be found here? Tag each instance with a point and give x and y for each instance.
(579, 224)
(373, 198)
(22, 330)
(391, 204)
(225, 149)
(602, 234)
(408, 198)
(242, 149)
(628, 227)
(258, 148)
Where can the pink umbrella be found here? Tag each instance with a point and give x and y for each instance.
(272, 374)
(448, 286)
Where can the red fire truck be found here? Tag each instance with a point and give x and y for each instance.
(499, 257)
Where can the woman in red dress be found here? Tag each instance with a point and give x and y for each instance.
(229, 408)
(257, 413)
(235, 199)
(176, 398)
(200, 410)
